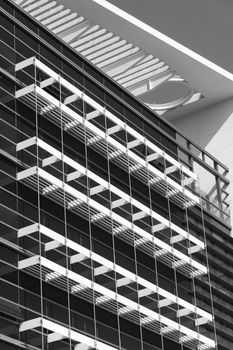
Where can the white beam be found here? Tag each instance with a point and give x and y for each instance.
(118, 203)
(139, 215)
(158, 227)
(170, 169)
(200, 321)
(49, 161)
(23, 264)
(123, 282)
(25, 231)
(183, 312)
(82, 346)
(47, 82)
(176, 239)
(52, 245)
(24, 91)
(71, 99)
(97, 189)
(134, 143)
(92, 115)
(74, 175)
(152, 157)
(28, 62)
(78, 258)
(101, 270)
(164, 303)
(30, 324)
(114, 129)
(52, 337)
(194, 249)
(144, 292)
(26, 143)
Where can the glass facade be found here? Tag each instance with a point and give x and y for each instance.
(104, 227)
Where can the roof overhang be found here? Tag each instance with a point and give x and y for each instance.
(214, 82)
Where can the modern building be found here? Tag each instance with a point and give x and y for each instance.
(107, 239)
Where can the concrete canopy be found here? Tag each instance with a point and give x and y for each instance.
(214, 82)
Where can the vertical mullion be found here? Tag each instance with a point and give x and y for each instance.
(113, 237)
(90, 225)
(134, 239)
(153, 234)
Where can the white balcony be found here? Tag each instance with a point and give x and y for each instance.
(54, 156)
(106, 141)
(114, 302)
(59, 332)
(80, 254)
(37, 178)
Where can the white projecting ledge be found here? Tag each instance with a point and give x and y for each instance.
(106, 141)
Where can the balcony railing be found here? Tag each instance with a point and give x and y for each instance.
(114, 302)
(51, 186)
(121, 198)
(146, 288)
(105, 141)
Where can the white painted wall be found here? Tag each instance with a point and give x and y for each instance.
(212, 129)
